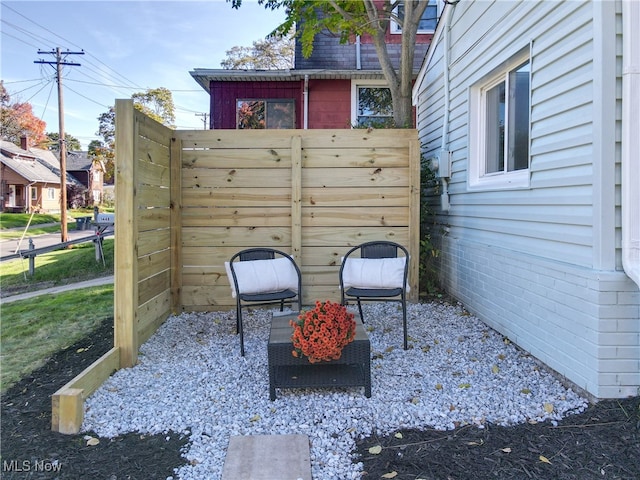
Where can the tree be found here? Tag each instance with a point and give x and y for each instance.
(157, 103)
(17, 120)
(73, 144)
(98, 151)
(273, 53)
(360, 17)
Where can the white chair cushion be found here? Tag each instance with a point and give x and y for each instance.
(374, 273)
(263, 276)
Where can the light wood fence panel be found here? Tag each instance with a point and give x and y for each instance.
(313, 194)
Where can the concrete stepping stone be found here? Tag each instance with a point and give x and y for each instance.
(267, 457)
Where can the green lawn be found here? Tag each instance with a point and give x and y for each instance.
(60, 267)
(18, 220)
(32, 330)
(12, 224)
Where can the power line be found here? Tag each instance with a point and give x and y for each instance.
(72, 44)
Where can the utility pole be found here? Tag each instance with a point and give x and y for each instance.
(59, 63)
(204, 120)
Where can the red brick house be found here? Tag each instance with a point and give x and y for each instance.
(334, 88)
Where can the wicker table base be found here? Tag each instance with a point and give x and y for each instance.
(353, 368)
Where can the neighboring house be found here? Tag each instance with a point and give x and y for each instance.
(84, 175)
(339, 86)
(532, 111)
(89, 172)
(26, 184)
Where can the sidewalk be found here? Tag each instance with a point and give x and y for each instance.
(61, 288)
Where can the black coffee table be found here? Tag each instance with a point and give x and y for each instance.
(352, 369)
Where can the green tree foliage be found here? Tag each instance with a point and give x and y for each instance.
(100, 153)
(157, 103)
(17, 120)
(359, 17)
(53, 142)
(272, 53)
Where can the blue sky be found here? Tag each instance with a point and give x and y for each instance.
(129, 46)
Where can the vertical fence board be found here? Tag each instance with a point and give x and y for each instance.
(296, 198)
(126, 236)
(176, 223)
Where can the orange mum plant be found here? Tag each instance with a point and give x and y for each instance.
(321, 334)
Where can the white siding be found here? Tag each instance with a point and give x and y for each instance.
(538, 264)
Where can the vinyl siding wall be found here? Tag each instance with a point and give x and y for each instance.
(542, 264)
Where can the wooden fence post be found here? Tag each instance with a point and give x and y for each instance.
(126, 236)
(32, 259)
(296, 198)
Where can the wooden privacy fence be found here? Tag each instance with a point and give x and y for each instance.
(186, 201)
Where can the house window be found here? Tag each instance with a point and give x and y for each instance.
(373, 106)
(34, 193)
(259, 114)
(428, 21)
(500, 127)
(51, 193)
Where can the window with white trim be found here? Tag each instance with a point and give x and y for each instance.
(428, 21)
(263, 113)
(51, 193)
(500, 128)
(372, 105)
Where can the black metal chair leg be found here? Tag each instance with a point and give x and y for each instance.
(360, 310)
(404, 323)
(239, 329)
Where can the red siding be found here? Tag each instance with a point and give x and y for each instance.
(225, 94)
(329, 101)
(329, 104)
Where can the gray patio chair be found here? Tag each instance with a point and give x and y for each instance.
(263, 276)
(376, 272)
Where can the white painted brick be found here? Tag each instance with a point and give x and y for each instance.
(571, 318)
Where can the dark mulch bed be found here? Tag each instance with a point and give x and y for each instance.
(29, 447)
(603, 442)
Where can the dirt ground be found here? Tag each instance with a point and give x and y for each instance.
(601, 443)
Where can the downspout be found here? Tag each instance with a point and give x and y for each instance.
(444, 159)
(630, 139)
(305, 95)
(358, 58)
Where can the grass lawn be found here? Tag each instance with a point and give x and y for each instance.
(17, 220)
(34, 329)
(60, 267)
(12, 224)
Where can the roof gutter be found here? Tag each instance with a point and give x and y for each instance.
(630, 139)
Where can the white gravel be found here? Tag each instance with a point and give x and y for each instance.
(191, 379)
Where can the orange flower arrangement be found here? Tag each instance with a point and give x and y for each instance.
(321, 334)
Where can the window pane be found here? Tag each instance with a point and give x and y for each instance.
(495, 100)
(375, 106)
(429, 18)
(251, 114)
(280, 114)
(519, 118)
